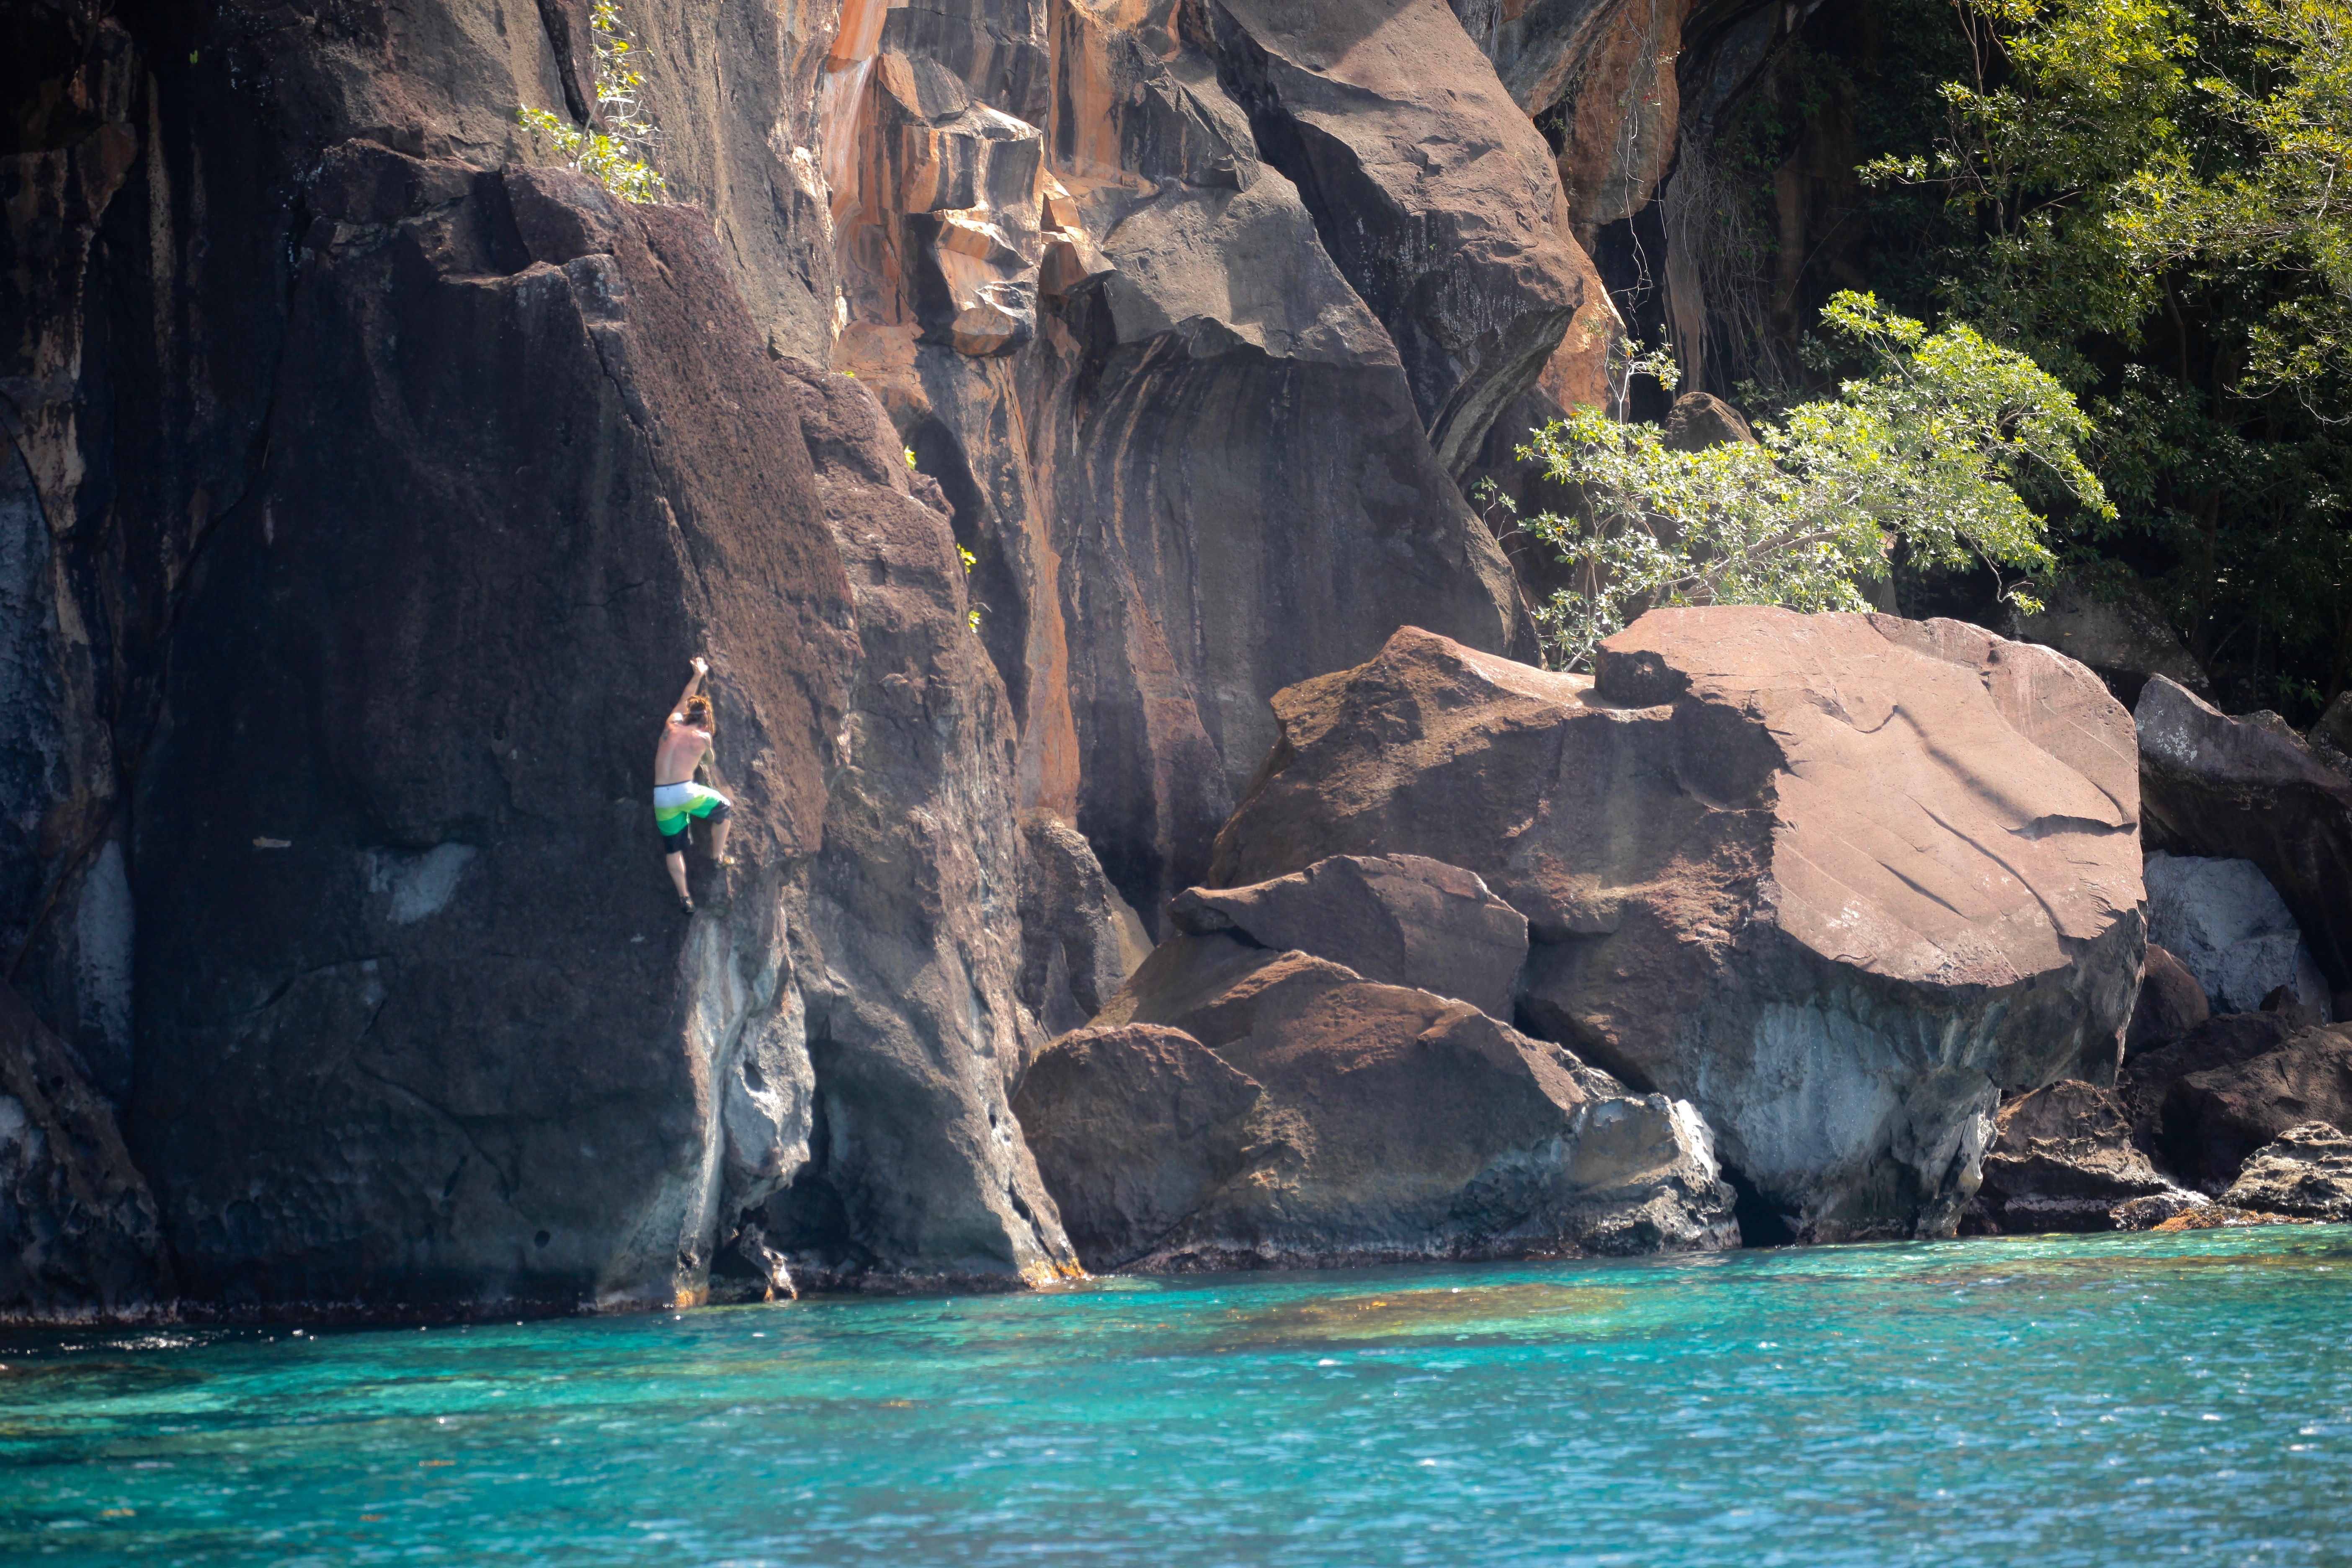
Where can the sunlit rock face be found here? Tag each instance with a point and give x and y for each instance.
(1840, 881)
(1193, 311)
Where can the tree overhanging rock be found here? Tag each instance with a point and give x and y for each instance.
(1838, 880)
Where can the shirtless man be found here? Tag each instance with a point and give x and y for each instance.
(678, 799)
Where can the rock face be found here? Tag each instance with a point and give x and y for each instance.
(2230, 789)
(2230, 929)
(360, 960)
(1191, 308)
(78, 1239)
(2124, 638)
(2212, 1119)
(1429, 186)
(1767, 869)
(2308, 1172)
(2221, 1041)
(1401, 920)
(2171, 1002)
(2063, 1159)
(905, 937)
(1079, 939)
(368, 486)
(1285, 1112)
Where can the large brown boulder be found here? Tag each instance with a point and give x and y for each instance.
(1289, 1112)
(2063, 1159)
(1840, 880)
(2306, 1170)
(1402, 920)
(2231, 788)
(1134, 1127)
(2212, 1119)
(2221, 1041)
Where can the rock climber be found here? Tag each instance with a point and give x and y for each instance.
(678, 799)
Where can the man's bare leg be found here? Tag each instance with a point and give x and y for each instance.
(719, 842)
(675, 861)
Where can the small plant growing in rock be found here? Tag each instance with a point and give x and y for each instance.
(968, 560)
(1932, 452)
(617, 155)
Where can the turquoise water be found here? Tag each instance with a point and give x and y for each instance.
(2096, 1401)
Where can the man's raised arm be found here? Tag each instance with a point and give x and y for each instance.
(701, 668)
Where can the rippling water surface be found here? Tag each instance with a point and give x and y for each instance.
(2098, 1400)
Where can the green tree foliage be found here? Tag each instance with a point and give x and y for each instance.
(618, 155)
(2278, 205)
(2150, 197)
(1935, 453)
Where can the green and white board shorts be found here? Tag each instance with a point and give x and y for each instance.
(676, 804)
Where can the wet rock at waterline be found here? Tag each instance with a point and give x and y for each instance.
(1768, 867)
(2063, 1159)
(2221, 1041)
(1288, 1112)
(78, 1237)
(2306, 1170)
(1134, 1127)
(2211, 1121)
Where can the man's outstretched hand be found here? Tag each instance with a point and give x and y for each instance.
(701, 666)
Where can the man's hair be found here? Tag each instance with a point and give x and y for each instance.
(699, 714)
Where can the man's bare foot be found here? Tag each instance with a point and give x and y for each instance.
(723, 860)
(686, 903)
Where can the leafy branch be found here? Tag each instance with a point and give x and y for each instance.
(618, 155)
(1931, 452)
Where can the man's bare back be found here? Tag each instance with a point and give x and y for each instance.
(679, 752)
(678, 801)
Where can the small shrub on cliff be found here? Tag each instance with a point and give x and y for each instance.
(617, 154)
(1932, 452)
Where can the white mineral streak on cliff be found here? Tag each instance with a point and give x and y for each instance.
(755, 1091)
(840, 91)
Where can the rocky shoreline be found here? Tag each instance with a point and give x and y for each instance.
(1054, 424)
